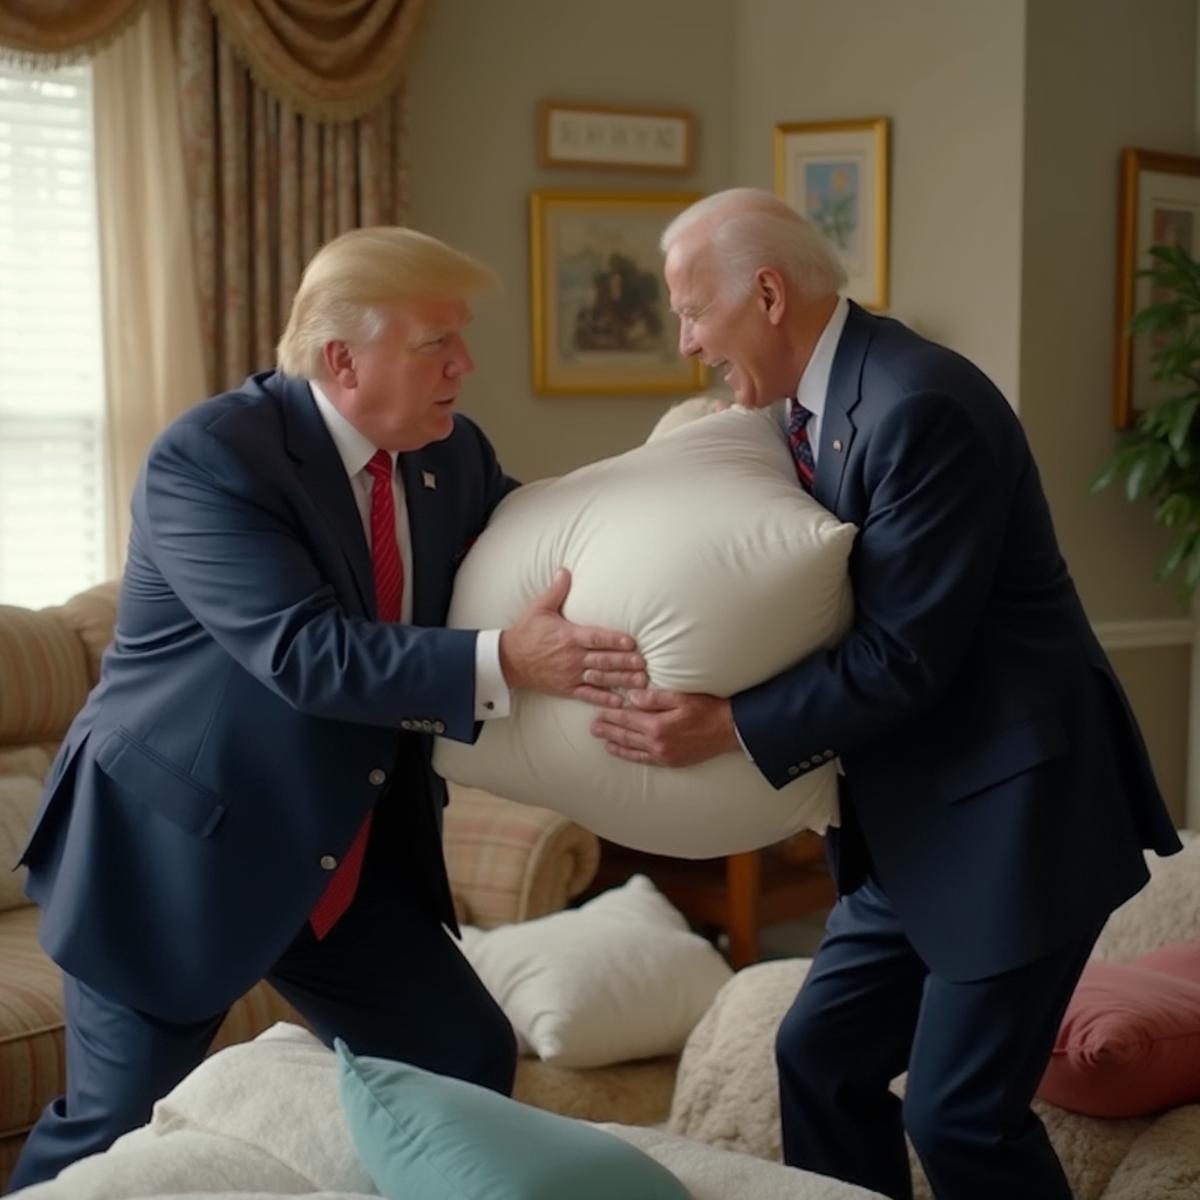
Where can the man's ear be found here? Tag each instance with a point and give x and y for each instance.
(339, 363)
(770, 293)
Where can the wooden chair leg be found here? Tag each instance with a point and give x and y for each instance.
(742, 876)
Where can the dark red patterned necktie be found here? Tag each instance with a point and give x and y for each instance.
(802, 455)
(388, 568)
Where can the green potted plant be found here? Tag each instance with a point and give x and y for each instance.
(1160, 459)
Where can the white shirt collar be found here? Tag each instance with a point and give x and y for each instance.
(353, 448)
(814, 383)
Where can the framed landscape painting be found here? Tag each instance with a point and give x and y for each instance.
(1159, 206)
(835, 173)
(601, 322)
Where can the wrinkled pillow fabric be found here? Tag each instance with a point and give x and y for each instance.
(1129, 1044)
(618, 979)
(428, 1136)
(704, 548)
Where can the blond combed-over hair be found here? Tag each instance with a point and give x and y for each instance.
(353, 279)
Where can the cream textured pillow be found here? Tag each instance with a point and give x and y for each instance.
(704, 548)
(19, 798)
(617, 979)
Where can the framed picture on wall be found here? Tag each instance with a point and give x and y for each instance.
(611, 136)
(835, 173)
(601, 322)
(1159, 206)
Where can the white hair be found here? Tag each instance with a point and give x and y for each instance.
(353, 279)
(747, 229)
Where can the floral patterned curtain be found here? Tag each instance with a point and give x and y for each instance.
(269, 185)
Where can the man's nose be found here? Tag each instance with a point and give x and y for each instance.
(461, 364)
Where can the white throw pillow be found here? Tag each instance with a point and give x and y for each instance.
(704, 548)
(617, 979)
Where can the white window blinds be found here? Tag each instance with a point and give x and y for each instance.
(52, 480)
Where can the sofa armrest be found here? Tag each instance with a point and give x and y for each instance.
(511, 862)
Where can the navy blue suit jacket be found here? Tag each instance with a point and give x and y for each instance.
(995, 779)
(247, 713)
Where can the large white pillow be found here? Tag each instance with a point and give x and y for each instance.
(702, 545)
(618, 979)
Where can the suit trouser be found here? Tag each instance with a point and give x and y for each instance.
(387, 979)
(975, 1053)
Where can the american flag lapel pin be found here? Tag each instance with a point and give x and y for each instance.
(429, 480)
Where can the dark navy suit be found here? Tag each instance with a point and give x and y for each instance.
(996, 794)
(249, 714)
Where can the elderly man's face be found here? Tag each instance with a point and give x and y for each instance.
(735, 335)
(406, 381)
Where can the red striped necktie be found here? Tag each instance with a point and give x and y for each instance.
(388, 569)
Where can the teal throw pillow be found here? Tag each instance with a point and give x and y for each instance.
(421, 1134)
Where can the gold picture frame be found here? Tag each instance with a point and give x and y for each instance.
(614, 137)
(600, 318)
(835, 173)
(1159, 204)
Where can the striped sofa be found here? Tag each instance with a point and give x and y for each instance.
(506, 862)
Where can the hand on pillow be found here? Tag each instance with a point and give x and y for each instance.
(725, 572)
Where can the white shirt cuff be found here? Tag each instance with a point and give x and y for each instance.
(492, 697)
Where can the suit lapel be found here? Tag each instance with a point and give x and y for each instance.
(323, 477)
(845, 390)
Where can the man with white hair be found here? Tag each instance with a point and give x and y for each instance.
(996, 791)
(248, 791)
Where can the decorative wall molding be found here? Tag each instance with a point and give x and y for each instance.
(1145, 635)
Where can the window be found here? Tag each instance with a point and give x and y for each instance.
(53, 507)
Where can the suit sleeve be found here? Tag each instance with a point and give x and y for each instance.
(226, 540)
(923, 566)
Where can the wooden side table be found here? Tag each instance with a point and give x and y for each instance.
(739, 894)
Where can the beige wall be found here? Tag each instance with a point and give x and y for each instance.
(478, 72)
(1099, 76)
(949, 75)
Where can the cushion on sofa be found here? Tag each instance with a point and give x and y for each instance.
(618, 979)
(423, 1134)
(701, 546)
(44, 667)
(1129, 1043)
(19, 800)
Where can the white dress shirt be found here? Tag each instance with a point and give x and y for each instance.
(492, 698)
(814, 383)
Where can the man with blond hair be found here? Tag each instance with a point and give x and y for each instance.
(248, 792)
(996, 792)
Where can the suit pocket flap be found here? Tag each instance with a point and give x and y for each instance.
(164, 789)
(1013, 751)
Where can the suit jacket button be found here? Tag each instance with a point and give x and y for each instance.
(426, 726)
(805, 765)
(793, 770)
(328, 862)
(377, 777)
(439, 727)
(827, 754)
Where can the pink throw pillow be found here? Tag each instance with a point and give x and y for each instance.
(1130, 1041)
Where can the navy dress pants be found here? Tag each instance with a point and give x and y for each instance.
(387, 979)
(975, 1053)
